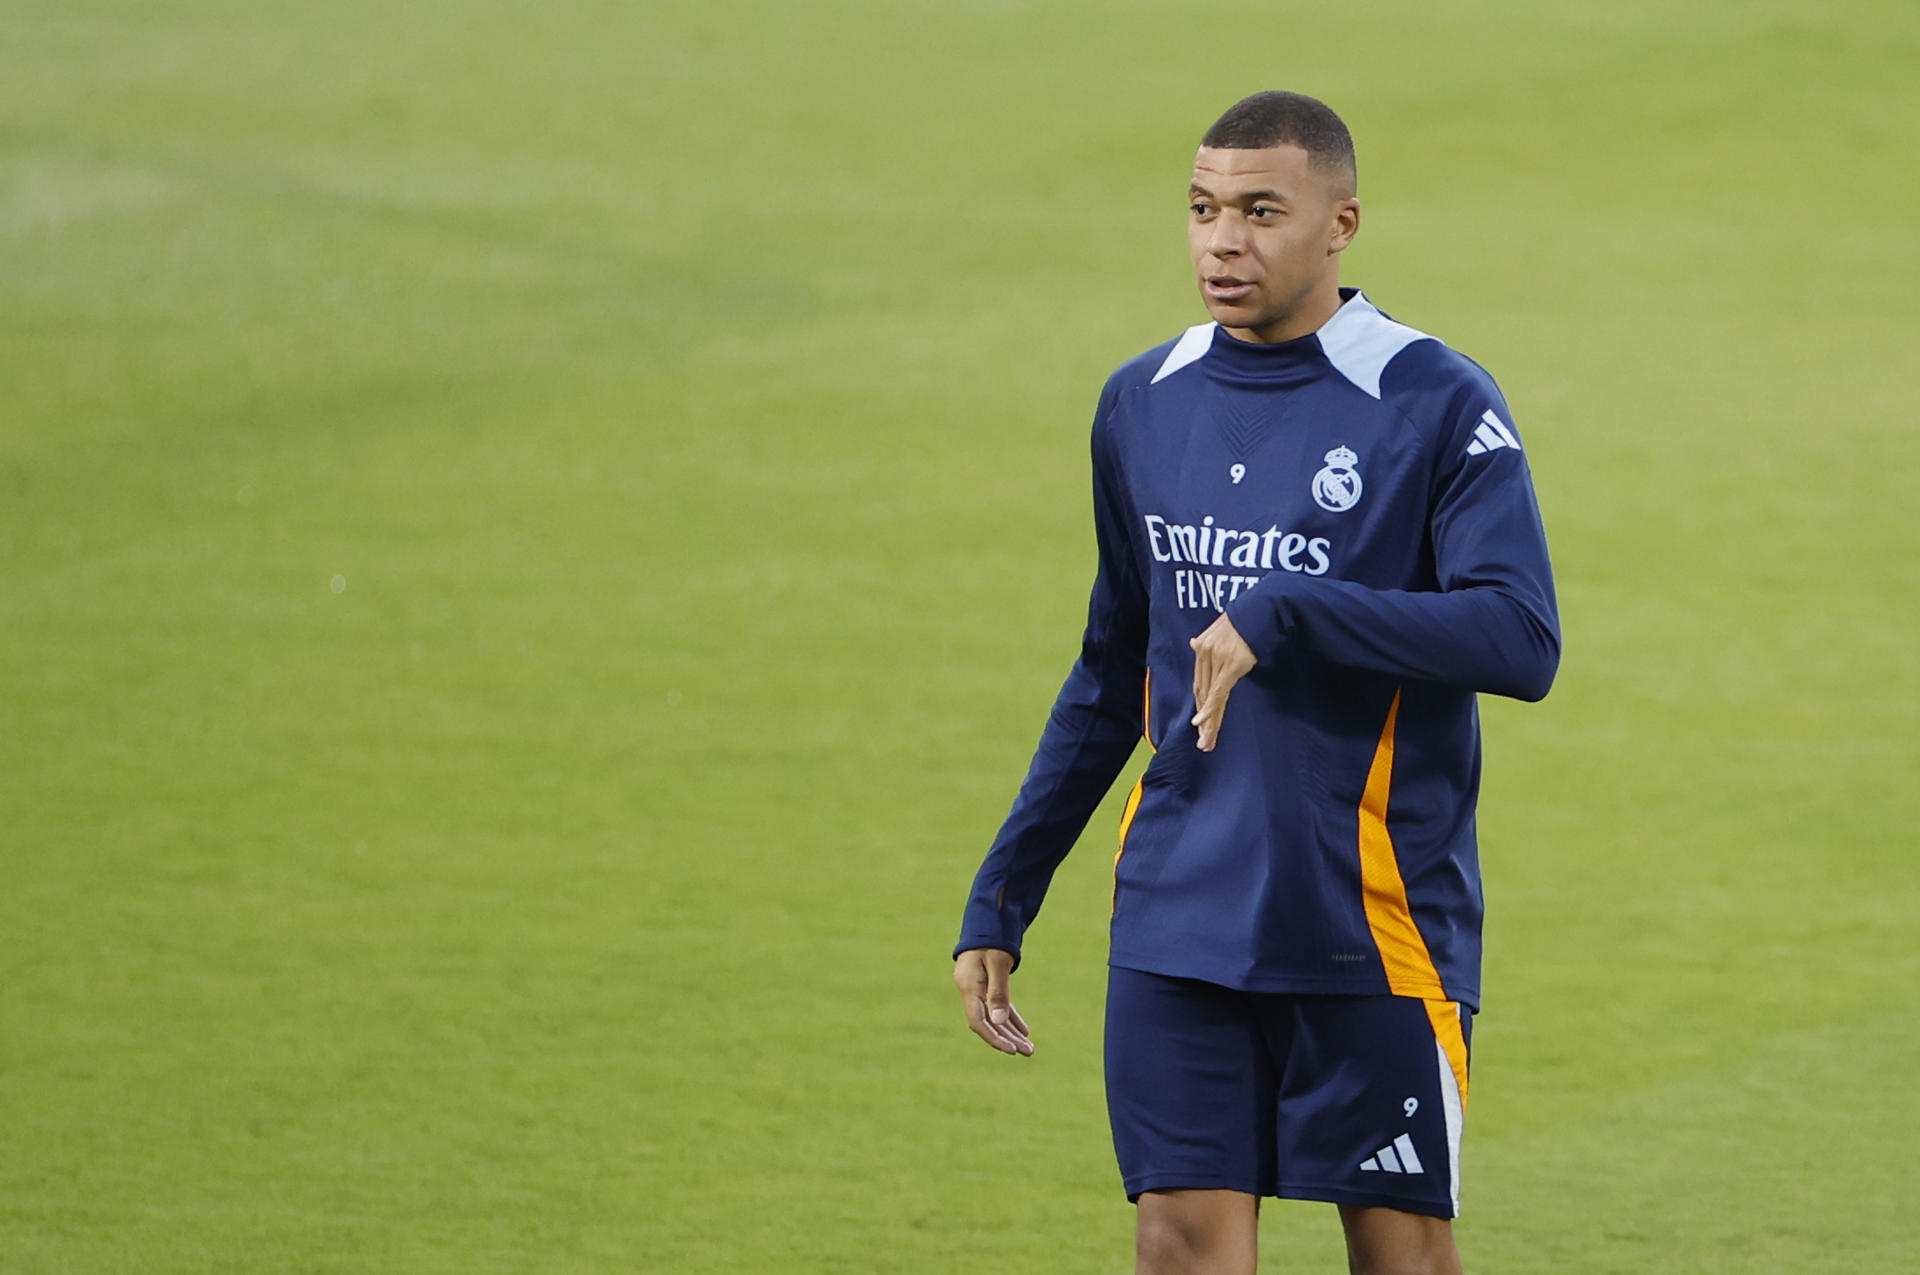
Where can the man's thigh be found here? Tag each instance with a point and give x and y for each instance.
(1372, 1100)
(1355, 1100)
(1191, 1086)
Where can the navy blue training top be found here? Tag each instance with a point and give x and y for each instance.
(1358, 503)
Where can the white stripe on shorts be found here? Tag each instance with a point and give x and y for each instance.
(1450, 1104)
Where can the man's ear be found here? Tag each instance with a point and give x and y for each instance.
(1346, 224)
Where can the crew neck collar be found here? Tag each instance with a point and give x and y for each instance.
(1351, 299)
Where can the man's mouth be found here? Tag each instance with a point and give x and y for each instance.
(1225, 287)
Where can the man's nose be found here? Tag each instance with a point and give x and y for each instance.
(1228, 238)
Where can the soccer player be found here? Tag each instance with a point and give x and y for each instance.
(1317, 541)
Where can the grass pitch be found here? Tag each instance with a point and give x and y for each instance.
(537, 541)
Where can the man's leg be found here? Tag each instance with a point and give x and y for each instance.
(1190, 1232)
(1371, 1109)
(1191, 1092)
(1389, 1242)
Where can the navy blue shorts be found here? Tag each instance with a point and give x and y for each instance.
(1347, 1099)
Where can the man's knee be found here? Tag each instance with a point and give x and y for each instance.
(1403, 1263)
(1195, 1233)
(1165, 1245)
(1388, 1242)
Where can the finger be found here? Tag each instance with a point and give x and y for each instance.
(1013, 1042)
(970, 976)
(1026, 1033)
(1011, 1025)
(976, 1010)
(1209, 717)
(1014, 1032)
(994, 1034)
(1202, 670)
(986, 1029)
(1001, 1015)
(997, 1004)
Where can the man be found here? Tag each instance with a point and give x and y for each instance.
(1317, 541)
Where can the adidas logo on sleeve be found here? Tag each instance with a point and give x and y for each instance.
(1396, 1157)
(1490, 435)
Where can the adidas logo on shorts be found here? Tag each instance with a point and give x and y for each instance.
(1398, 1157)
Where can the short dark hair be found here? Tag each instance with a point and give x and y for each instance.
(1275, 118)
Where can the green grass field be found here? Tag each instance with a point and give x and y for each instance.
(537, 540)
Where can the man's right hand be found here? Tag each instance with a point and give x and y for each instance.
(981, 974)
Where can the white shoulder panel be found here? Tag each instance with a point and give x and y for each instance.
(1360, 341)
(1190, 348)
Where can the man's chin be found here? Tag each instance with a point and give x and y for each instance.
(1235, 314)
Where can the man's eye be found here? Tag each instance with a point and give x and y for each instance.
(1262, 210)
(1200, 210)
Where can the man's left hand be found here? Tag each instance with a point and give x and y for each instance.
(1220, 660)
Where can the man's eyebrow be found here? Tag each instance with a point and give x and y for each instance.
(1246, 197)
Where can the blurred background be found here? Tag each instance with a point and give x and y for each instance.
(536, 542)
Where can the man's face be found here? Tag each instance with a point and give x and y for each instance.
(1266, 231)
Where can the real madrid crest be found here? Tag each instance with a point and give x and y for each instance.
(1336, 488)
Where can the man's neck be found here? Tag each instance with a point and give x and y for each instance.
(1307, 318)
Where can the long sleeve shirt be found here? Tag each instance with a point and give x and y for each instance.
(1358, 503)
